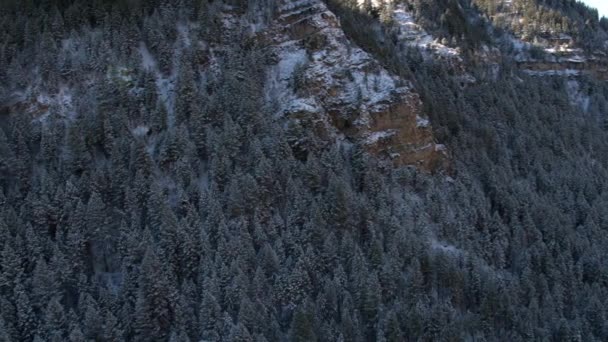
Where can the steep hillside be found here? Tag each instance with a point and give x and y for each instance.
(329, 86)
(302, 171)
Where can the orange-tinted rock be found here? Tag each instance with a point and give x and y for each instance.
(329, 86)
(400, 134)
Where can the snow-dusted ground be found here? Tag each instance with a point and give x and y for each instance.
(165, 85)
(184, 33)
(374, 3)
(562, 56)
(566, 72)
(376, 136)
(422, 122)
(558, 48)
(42, 105)
(577, 97)
(559, 53)
(413, 35)
(148, 62)
(445, 247)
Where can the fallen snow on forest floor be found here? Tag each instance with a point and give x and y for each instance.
(577, 96)
(565, 72)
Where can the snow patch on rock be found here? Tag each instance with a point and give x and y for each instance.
(337, 75)
(292, 57)
(375, 136)
(422, 122)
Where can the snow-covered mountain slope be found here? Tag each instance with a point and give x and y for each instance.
(319, 83)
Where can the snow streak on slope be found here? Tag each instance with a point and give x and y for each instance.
(565, 72)
(577, 96)
(413, 35)
(38, 104)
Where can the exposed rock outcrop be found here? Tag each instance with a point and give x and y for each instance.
(597, 68)
(330, 86)
(320, 83)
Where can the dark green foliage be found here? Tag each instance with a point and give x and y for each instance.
(140, 216)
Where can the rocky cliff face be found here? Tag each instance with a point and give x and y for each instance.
(595, 68)
(329, 86)
(320, 83)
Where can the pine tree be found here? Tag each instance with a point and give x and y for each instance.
(186, 100)
(78, 154)
(154, 308)
(302, 328)
(92, 320)
(4, 333)
(55, 323)
(76, 335)
(158, 117)
(209, 315)
(7, 159)
(371, 301)
(10, 268)
(239, 333)
(44, 286)
(111, 330)
(26, 319)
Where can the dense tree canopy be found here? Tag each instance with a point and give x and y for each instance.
(130, 215)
